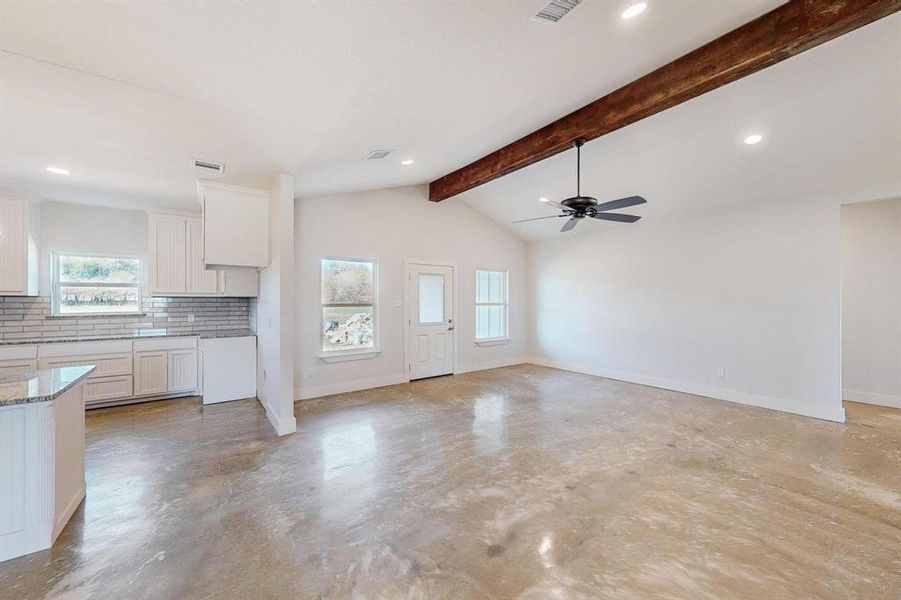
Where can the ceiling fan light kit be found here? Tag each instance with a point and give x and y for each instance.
(579, 207)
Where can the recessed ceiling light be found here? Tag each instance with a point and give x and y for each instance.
(58, 170)
(408, 161)
(543, 199)
(634, 10)
(754, 138)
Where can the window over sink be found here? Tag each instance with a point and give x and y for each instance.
(95, 284)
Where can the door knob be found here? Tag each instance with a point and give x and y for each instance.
(450, 328)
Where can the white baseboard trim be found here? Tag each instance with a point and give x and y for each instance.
(282, 426)
(489, 364)
(888, 400)
(347, 386)
(62, 519)
(376, 382)
(836, 413)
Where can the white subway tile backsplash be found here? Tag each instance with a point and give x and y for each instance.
(25, 318)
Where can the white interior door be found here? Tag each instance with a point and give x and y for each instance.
(431, 321)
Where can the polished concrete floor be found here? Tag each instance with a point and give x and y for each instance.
(521, 482)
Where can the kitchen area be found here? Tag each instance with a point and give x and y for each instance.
(103, 306)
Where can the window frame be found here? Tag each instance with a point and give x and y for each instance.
(368, 350)
(56, 284)
(505, 337)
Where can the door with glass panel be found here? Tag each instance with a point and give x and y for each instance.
(431, 321)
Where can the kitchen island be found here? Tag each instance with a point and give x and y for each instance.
(41, 455)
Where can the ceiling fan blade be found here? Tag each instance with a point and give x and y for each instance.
(621, 203)
(569, 224)
(557, 205)
(537, 218)
(616, 217)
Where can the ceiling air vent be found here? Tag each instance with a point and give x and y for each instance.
(554, 11)
(378, 154)
(211, 166)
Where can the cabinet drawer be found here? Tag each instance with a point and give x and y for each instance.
(171, 343)
(8, 367)
(108, 365)
(79, 349)
(18, 352)
(103, 389)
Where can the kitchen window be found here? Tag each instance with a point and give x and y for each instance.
(348, 304)
(492, 306)
(95, 284)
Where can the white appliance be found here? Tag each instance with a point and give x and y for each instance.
(229, 368)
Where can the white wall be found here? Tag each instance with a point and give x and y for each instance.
(392, 225)
(751, 289)
(80, 228)
(871, 302)
(276, 314)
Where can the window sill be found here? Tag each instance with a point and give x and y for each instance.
(492, 342)
(346, 355)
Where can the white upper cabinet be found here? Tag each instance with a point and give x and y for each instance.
(235, 225)
(18, 246)
(168, 256)
(240, 283)
(199, 281)
(176, 261)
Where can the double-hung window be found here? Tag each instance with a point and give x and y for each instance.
(492, 305)
(88, 284)
(348, 304)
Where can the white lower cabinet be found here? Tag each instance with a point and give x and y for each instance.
(105, 389)
(165, 366)
(151, 373)
(8, 367)
(182, 370)
(126, 369)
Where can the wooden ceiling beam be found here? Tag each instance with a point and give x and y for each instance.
(781, 33)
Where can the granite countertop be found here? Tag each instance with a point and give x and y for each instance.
(139, 334)
(42, 385)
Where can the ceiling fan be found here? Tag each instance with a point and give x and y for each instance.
(578, 207)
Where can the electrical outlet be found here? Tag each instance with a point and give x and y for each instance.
(269, 322)
(721, 373)
(191, 318)
(311, 372)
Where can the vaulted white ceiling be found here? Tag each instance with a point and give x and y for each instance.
(125, 95)
(831, 121)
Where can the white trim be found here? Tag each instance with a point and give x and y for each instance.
(492, 342)
(491, 364)
(305, 393)
(836, 413)
(281, 426)
(889, 400)
(63, 518)
(346, 355)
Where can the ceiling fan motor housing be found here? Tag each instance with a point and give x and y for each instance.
(580, 203)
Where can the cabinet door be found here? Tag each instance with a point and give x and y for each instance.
(242, 283)
(151, 373)
(168, 236)
(200, 281)
(13, 249)
(182, 370)
(8, 367)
